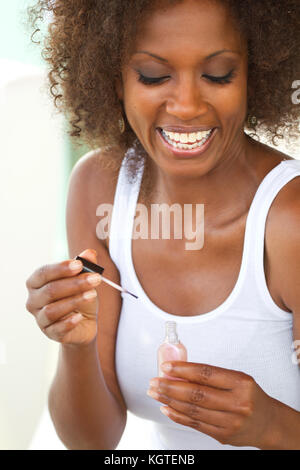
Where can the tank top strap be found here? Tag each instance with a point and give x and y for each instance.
(253, 289)
(124, 206)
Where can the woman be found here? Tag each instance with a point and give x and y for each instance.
(174, 85)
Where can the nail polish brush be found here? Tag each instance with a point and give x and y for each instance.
(89, 267)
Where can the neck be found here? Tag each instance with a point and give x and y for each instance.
(225, 188)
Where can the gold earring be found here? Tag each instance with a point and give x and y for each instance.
(122, 125)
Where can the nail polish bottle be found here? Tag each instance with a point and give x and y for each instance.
(171, 349)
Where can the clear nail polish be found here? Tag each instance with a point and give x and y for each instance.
(171, 349)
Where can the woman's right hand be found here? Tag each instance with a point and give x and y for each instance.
(57, 298)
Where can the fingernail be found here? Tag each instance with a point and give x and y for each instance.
(74, 265)
(89, 294)
(153, 383)
(93, 279)
(76, 318)
(164, 410)
(166, 367)
(152, 394)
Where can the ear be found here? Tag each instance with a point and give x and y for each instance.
(119, 88)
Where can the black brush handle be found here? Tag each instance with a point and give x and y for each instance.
(89, 267)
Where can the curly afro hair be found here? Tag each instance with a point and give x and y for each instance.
(88, 41)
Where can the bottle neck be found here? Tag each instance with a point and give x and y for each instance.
(172, 339)
(171, 333)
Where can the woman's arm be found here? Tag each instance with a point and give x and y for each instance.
(285, 431)
(85, 401)
(287, 247)
(85, 413)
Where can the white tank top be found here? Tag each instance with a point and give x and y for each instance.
(248, 332)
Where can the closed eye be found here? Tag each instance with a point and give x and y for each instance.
(221, 80)
(156, 80)
(150, 80)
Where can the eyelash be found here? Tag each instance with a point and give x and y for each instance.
(219, 80)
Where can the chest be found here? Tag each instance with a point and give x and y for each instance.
(192, 282)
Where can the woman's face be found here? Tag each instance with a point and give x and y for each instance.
(187, 77)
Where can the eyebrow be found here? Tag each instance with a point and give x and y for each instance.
(206, 58)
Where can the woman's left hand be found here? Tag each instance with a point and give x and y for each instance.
(225, 404)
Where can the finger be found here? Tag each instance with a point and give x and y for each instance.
(55, 311)
(205, 374)
(54, 271)
(62, 288)
(57, 331)
(193, 411)
(51, 272)
(201, 395)
(178, 417)
(90, 255)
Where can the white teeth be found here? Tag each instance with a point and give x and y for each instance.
(195, 139)
(185, 138)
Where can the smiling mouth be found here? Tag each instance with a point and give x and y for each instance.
(185, 145)
(184, 141)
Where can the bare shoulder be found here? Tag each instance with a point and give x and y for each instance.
(288, 198)
(91, 183)
(282, 240)
(95, 176)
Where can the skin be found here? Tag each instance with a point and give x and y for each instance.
(227, 177)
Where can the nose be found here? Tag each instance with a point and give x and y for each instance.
(187, 102)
